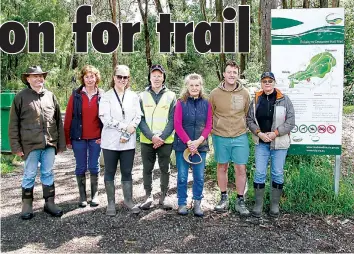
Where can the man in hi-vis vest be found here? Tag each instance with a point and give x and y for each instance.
(158, 105)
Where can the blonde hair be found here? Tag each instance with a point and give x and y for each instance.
(89, 68)
(117, 69)
(185, 93)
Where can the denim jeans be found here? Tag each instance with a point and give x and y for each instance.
(182, 177)
(81, 148)
(277, 158)
(46, 158)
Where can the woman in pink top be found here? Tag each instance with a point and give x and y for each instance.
(192, 123)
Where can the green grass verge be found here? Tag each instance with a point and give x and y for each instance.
(308, 186)
(348, 110)
(7, 163)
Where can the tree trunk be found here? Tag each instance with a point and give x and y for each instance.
(202, 4)
(266, 34)
(243, 56)
(285, 4)
(291, 4)
(323, 3)
(158, 6)
(170, 5)
(306, 4)
(113, 4)
(219, 18)
(144, 16)
(335, 3)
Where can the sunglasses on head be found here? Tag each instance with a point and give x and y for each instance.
(122, 77)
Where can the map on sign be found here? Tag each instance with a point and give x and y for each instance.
(318, 67)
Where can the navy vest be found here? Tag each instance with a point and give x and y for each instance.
(76, 122)
(194, 118)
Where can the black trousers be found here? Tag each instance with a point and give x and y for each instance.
(126, 160)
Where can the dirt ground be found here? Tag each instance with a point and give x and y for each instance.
(90, 230)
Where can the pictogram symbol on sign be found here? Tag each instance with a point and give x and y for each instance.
(295, 129)
(303, 128)
(331, 129)
(321, 129)
(312, 128)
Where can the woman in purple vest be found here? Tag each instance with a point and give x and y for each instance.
(192, 123)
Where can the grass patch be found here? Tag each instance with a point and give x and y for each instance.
(308, 186)
(8, 163)
(348, 110)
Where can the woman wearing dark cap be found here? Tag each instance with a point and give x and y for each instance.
(270, 118)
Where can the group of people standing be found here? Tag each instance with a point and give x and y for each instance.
(96, 120)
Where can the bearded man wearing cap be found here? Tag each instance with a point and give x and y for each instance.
(270, 118)
(36, 134)
(157, 104)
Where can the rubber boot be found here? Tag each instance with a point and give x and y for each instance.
(94, 190)
(127, 187)
(27, 200)
(274, 201)
(81, 183)
(111, 206)
(258, 206)
(164, 202)
(49, 205)
(197, 210)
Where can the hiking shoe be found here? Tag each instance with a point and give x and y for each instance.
(182, 210)
(241, 208)
(223, 204)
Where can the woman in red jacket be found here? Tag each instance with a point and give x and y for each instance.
(83, 131)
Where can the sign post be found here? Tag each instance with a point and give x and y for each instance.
(308, 63)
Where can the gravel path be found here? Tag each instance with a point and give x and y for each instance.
(90, 230)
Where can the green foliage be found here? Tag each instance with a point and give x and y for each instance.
(8, 163)
(308, 186)
(347, 110)
(348, 97)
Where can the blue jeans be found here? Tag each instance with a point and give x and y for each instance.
(80, 148)
(277, 158)
(182, 177)
(46, 158)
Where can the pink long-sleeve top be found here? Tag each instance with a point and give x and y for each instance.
(178, 123)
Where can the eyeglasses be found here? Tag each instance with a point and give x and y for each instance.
(269, 81)
(119, 77)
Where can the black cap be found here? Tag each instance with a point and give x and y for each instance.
(268, 74)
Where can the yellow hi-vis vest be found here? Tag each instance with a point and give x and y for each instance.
(156, 116)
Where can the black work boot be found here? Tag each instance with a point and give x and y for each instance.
(81, 183)
(164, 200)
(127, 187)
(223, 204)
(94, 190)
(259, 197)
(275, 194)
(27, 200)
(111, 206)
(148, 200)
(49, 205)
